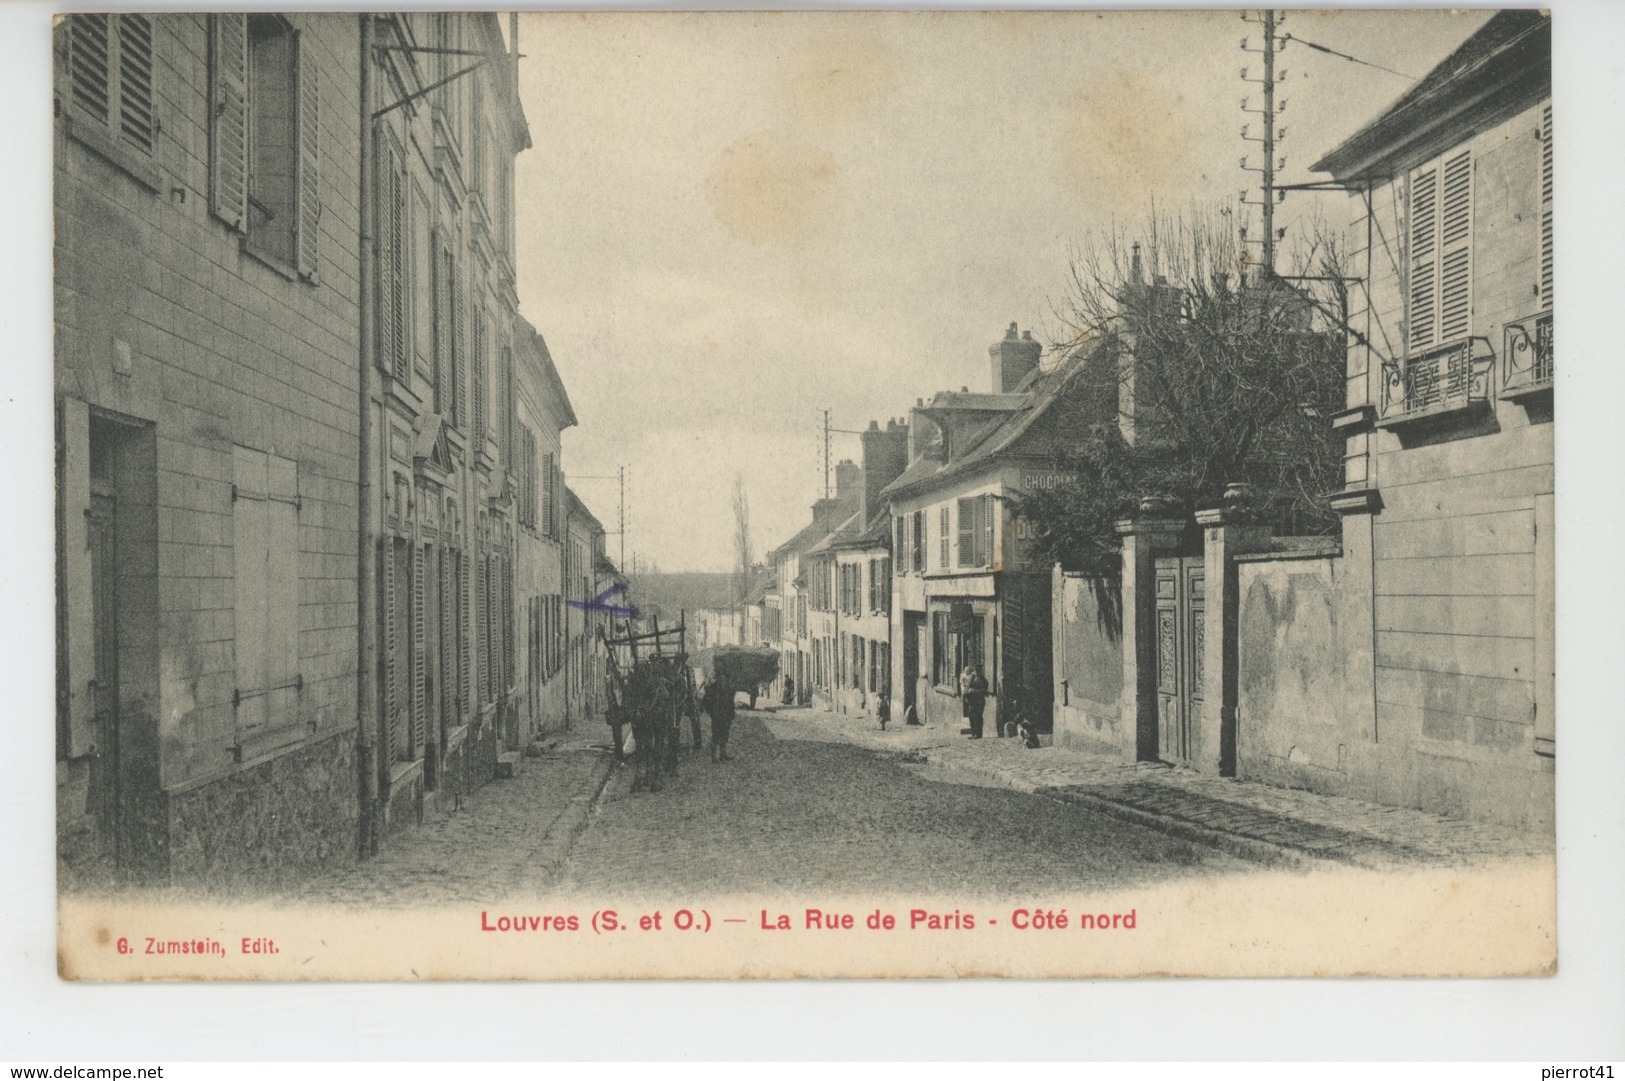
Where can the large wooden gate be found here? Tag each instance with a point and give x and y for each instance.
(1181, 607)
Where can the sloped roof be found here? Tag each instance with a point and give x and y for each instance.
(1509, 55)
(814, 531)
(848, 529)
(982, 441)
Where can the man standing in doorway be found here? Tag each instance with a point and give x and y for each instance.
(975, 700)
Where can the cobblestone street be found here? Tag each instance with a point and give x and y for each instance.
(824, 802)
(805, 816)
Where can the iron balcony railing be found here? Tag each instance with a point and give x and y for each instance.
(1526, 362)
(1439, 380)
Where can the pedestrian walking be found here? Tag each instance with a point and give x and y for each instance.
(719, 703)
(975, 700)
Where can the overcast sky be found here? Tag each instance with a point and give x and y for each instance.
(730, 222)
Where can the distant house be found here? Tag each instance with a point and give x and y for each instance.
(968, 592)
(804, 627)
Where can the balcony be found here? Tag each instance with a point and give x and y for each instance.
(1526, 362)
(1442, 381)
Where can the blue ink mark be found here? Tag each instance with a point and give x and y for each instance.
(601, 603)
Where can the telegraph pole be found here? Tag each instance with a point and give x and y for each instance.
(1271, 22)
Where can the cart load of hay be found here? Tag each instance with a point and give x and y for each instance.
(740, 668)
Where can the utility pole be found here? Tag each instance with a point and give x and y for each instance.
(1271, 23)
(621, 520)
(826, 454)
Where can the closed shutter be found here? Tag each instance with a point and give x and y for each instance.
(310, 192)
(470, 701)
(1455, 263)
(548, 500)
(228, 113)
(507, 624)
(448, 640)
(387, 635)
(400, 359)
(458, 300)
(1546, 208)
(90, 64)
(439, 327)
(137, 120)
(383, 244)
(1424, 258)
(420, 660)
(477, 437)
(987, 531)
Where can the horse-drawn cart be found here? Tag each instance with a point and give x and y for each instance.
(651, 690)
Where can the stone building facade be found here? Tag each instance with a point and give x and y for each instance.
(207, 312)
(1446, 642)
(966, 589)
(286, 621)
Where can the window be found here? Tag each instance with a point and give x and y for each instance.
(900, 541)
(108, 78)
(1440, 262)
(478, 362)
(392, 331)
(527, 477)
(449, 321)
(265, 584)
(976, 531)
(264, 138)
(917, 554)
(942, 537)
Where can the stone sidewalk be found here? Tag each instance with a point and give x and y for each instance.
(511, 838)
(1275, 826)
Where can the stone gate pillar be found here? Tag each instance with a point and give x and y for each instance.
(1226, 533)
(1143, 539)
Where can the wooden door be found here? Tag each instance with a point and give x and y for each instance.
(104, 772)
(1180, 625)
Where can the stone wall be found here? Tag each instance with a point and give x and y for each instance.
(1088, 670)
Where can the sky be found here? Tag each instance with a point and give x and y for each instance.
(730, 222)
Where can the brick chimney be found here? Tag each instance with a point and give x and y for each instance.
(848, 483)
(885, 456)
(1013, 358)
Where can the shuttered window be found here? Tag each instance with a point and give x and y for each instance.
(1440, 288)
(1546, 208)
(108, 74)
(393, 325)
(265, 584)
(917, 558)
(478, 361)
(265, 138)
(944, 539)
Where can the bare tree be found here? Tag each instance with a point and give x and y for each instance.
(1225, 374)
(744, 554)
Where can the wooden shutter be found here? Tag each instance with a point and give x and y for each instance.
(387, 633)
(457, 300)
(1424, 257)
(136, 118)
(986, 553)
(400, 334)
(1546, 208)
(967, 531)
(478, 435)
(383, 244)
(1455, 236)
(448, 639)
(507, 623)
(90, 64)
(228, 114)
(465, 639)
(420, 660)
(309, 188)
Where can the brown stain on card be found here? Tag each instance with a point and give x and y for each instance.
(1122, 135)
(842, 77)
(773, 188)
